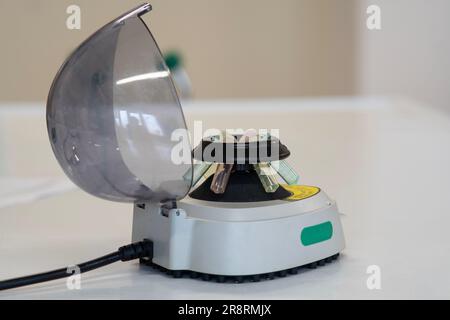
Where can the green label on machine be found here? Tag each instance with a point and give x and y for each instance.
(317, 233)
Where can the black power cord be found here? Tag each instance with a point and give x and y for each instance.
(143, 249)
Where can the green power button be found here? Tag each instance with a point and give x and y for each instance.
(317, 233)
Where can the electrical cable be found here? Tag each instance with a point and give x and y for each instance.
(143, 249)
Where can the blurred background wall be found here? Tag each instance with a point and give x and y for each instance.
(231, 48)
(410, 55)
(251, 48)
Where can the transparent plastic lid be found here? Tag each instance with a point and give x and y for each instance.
(114, 119)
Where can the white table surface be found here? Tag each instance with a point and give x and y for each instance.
(385, 161)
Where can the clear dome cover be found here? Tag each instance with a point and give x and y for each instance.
(111, 113)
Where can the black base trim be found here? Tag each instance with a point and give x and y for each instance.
(237, 279)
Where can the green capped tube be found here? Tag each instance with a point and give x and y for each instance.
(267, 177)
(285, 171)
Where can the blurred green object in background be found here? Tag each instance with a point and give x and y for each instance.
(173, 59)
(174, 62)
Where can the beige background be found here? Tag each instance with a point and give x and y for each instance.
(251, 48)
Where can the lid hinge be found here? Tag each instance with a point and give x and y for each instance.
(167, 206)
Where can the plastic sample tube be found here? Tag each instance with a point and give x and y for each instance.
(210, 171)
(221, 177)
(285, 171)
(267, 177)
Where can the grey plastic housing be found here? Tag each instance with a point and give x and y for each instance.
(111, 113)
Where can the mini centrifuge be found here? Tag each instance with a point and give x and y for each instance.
(218, 212)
